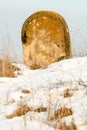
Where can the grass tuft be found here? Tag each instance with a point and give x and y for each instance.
(63, 126)
(6, 67)
(22, 110)
(63, 112)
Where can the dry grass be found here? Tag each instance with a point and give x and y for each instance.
(63, 126)
(67, 93)
(6, 67)
(23, 109)
(25, 91)
(82, 83)
(63, 112)
(41, 109)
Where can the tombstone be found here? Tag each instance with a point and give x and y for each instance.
(45, 39)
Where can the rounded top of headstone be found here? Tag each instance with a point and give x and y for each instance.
(51, 22)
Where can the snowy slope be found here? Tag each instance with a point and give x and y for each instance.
(45, 91)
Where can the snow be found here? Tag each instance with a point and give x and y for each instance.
(46, 90)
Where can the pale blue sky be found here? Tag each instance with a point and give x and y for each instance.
(13, 14)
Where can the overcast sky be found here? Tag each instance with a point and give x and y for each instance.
(14, 13)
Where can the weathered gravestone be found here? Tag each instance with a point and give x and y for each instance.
(45, 39)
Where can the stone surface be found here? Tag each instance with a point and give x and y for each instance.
(45, 39)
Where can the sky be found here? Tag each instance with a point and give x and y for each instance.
(14, 13)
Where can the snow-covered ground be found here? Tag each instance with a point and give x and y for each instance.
(33, 99)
